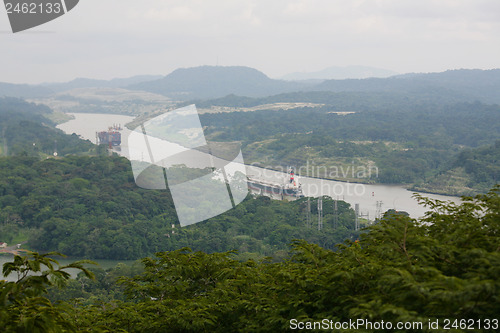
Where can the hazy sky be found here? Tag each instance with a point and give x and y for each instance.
(120, 38)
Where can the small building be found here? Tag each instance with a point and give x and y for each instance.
(3, 245)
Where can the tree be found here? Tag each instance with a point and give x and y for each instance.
(401, 270)
(23, 305)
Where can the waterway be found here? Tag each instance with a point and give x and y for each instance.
(391, 196)
(367, 196)
(104, 264)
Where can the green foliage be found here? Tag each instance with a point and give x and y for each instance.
(470, 124)
(83, 206)
(409, 141)
(25, 130)
(82, 291)
(23, 305)
(402, 270)
(90, 207)
(266, 227)
(481, 163)
(445, 266)
(468, 172)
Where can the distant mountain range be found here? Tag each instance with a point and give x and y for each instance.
(47, 89)
(91, 83)
(23, 90)
(341, 73)
(464, 84)
(209, 82)
(214, 81)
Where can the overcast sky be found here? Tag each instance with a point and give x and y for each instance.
(120, 38)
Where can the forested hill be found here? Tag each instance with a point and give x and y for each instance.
(216, 81)
(482, 85)
(209, 82)
(25, 129)
(341, 73)
(91, 207)
(470, 169)
(403, 92)
(402, 275)
(409, 143)
(342, 101)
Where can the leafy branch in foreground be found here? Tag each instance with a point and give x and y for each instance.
(446, 265)
(23, 305)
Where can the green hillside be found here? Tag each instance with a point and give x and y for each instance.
(470, 171)
(26, 129)
(402, 275)
(403, 143)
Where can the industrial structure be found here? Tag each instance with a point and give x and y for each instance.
(111, 137)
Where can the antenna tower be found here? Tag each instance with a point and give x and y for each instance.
(356, 219)
(335, 214)
(308, 213)
(320, 213)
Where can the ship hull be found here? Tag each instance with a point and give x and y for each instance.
(274, 189)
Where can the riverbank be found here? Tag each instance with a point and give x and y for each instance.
(451, 191)
(101, 263)
(410, 187)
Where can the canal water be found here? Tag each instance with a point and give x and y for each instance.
(372, 199)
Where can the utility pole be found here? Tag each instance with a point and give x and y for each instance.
(356, 219)
(335, 214)
(308, 213)
(378, 213)
(320, 213)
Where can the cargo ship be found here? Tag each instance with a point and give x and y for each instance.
(290, 189)
(111, 137)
